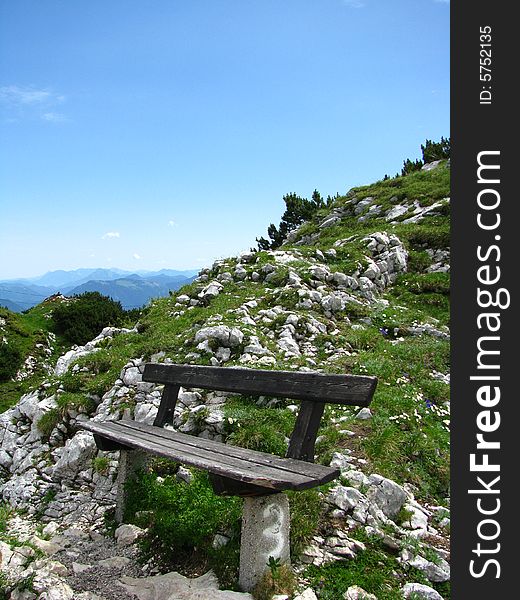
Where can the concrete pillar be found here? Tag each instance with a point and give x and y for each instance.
(265, 533)
(130, 461)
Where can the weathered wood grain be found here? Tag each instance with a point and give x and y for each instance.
(167, 406)
(252, 467)
(354, 390)
(303, 437)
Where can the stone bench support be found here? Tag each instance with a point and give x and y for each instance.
(130, 461)
(265, 533)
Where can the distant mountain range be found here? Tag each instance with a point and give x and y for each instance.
(132, 289)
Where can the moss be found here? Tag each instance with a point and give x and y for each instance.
(48, 421)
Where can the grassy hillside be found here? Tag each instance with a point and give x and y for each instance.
(28, 348)
(362, 288)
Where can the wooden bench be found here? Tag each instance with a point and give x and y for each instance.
(233, 470)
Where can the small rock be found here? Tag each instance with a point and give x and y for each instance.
(46, 546)
(80, 567)
(115, 562)
(355, 592)
(219, 541)
(419, 590)
(387, 495)
(307, 594)
(184, 474)
(364, 414)
(127, 534)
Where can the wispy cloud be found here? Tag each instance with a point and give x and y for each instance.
(110, 235)
(24, 101)
(14, 94)
(136, 256)
(172, 223)
(355, 3)
(54, 117)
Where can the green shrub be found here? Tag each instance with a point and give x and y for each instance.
(262, 436)
(263, 429)
(6, 512)
(297, 211)
(185, 516)
(48, 421)
(436, 150)
(10, 361)
(418, 261)
(82, 319)
(409, 166)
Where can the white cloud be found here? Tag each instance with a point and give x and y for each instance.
(354, 3)
(136, 256)
(14, 94)
(172, 223)
(23, 101)
(110, 235)
(53, 117)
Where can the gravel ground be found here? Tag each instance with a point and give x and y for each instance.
(83, 557)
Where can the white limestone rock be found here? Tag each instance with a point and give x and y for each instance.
(420, 591)
(174, 585)
(229, 337)
(355, 592)
(386, 494)
(437, 572)
(345, 498)
(77, 453)
(128, 534)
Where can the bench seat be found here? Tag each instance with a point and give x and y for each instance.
(249, 466)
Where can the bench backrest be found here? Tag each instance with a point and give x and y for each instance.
(313, 389)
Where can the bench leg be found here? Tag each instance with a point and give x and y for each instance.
(130, 461)
(265, 533)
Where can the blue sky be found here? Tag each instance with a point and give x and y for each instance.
(149, 134)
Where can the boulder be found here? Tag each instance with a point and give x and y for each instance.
(387, 495)
(229, 337)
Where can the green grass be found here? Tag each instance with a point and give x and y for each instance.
(374, 569)
(256, 428)
(406, 440)
(185, 518)
(24, 331)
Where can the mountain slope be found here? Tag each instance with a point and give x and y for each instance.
(22, 294)
(363, 287)
(133, 291)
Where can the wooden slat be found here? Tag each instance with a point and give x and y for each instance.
(339, 389)
(247, 471)
(227, 450)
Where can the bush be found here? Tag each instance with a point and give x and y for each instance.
(409, 166)
(85, 316)
(436, 150)
(297, 211)
(10, 361)
(185, 516)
